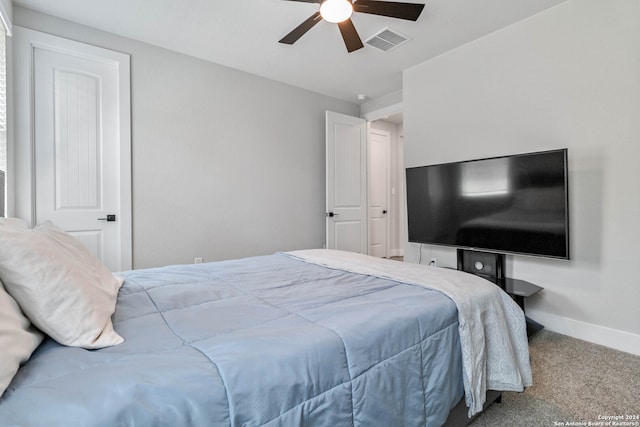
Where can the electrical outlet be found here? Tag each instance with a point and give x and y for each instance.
(198, 260)
(433, 262)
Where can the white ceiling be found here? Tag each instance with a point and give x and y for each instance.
(244, 34)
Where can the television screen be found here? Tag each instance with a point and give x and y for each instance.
(512, 204)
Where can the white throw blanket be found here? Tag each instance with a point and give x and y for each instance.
(493, 335)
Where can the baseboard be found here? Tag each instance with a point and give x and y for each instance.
(396, 252)
(613, 338)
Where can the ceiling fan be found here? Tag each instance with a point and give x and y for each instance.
(339, 12)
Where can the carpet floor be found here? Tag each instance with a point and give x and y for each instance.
(576, 383)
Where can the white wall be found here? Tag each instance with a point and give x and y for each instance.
(567, 77)
(225, 164)
(388, 104)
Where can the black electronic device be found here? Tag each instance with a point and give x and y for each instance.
(517, 204)
(486, 264)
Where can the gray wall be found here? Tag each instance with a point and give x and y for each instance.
(7, 5)
(225, 164)
(568, 77)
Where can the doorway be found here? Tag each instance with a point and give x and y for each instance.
(394, 223)
(365, 184)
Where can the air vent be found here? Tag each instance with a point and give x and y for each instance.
(387, 39)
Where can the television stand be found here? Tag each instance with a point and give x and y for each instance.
(519, 290)
(490, 266)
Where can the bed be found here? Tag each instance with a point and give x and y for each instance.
(312, 337)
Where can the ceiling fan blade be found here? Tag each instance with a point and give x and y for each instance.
(306, 1)
(408, 11)
(301, 29)
(350, 35)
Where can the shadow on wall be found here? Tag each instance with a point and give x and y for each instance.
(586, 183)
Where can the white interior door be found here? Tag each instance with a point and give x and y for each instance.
(81, 143)
(379, 145)
(346, 143)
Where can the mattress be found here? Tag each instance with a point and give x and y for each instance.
(265, 341)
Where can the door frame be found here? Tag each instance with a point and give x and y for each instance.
(25, 41)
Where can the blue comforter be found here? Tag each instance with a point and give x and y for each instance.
(270, 340)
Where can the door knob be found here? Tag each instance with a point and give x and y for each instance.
(109, 218)
(384, 211)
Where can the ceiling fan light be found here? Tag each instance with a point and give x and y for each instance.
(336, 10)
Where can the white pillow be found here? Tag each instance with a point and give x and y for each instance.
(63, 289)
(18, 338)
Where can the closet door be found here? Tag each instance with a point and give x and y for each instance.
(80, 133)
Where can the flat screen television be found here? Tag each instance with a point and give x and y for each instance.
(515, 204)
